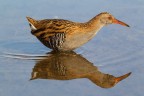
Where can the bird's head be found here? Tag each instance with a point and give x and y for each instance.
(106, 18)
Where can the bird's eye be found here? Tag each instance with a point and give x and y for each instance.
(109, 18)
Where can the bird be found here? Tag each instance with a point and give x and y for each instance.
(66, 35)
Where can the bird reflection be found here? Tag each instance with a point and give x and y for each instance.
(67, 66)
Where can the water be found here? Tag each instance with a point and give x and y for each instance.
(116, 50)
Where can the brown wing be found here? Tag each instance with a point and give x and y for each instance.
(50, 27)
(52, 33)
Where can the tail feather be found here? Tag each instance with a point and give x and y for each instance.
(32, 23)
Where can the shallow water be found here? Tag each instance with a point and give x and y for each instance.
(116, 50)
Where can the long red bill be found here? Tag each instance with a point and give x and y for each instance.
(120, 22)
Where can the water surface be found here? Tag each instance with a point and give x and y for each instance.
(116, 50)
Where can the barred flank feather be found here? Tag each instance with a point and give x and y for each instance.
(54, 42)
